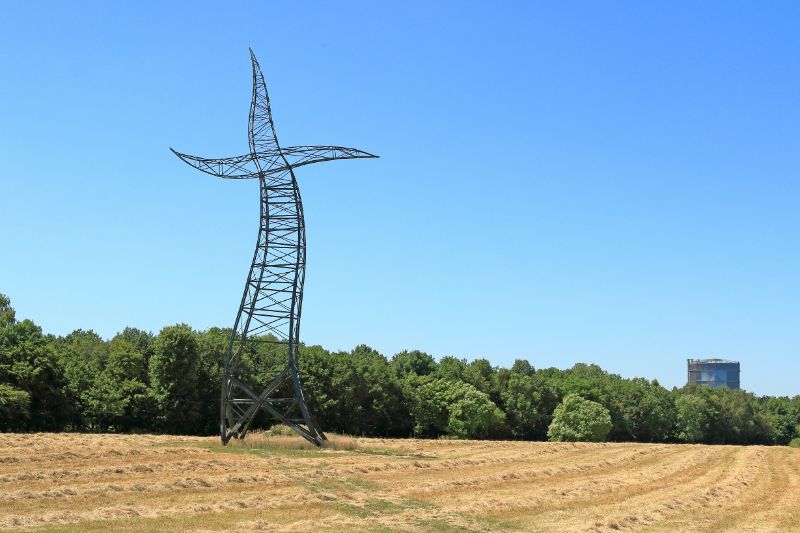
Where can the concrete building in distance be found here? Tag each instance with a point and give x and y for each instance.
(714, 372)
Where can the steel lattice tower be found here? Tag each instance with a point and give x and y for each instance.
(273, 295)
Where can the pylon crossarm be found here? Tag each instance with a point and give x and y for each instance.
(236, 168)
(298, 156)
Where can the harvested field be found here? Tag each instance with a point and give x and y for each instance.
(71, 482)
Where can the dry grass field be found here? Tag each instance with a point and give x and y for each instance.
(68, 482)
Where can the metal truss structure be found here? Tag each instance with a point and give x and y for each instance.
(270, 310)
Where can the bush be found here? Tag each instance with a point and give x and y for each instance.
(795, 443)
(578, 419)
(455, 408)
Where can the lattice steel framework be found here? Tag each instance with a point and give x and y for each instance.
(273, 296)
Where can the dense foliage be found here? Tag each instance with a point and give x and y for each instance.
(579, 419)
(169, 382)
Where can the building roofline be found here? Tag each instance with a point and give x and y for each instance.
(712, 360)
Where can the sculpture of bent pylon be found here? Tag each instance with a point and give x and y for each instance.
(273, 295)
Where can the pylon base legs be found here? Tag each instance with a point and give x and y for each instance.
(240, 405)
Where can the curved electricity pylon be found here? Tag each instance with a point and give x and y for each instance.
(273, 295)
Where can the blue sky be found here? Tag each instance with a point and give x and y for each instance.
(614, 183)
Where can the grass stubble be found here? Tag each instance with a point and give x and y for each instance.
(275, 481)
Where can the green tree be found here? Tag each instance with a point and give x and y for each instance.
(528, 403)
(780, 413)
(103, 403)
(647, 409)
(142, 342)
(412, 362)
(578, 419)
(796, 410)
(316, 372)
(472, 415)
(368, 397)
(523, 367)
(98, 398)
(15, 407)
(744, 420)
(593, 383)
(127, 367)
(7, 314)
(480, 373)
(28, 363)
(125, 361)
(453, 407)
(174, 369)
(694, 418)
(729, 416)
(451, 368)
(429, 405)
(212, 346)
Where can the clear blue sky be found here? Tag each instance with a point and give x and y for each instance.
(614, 183)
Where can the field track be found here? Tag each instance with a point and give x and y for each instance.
(70, 482)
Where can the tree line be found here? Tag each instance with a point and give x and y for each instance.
(169, 382)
